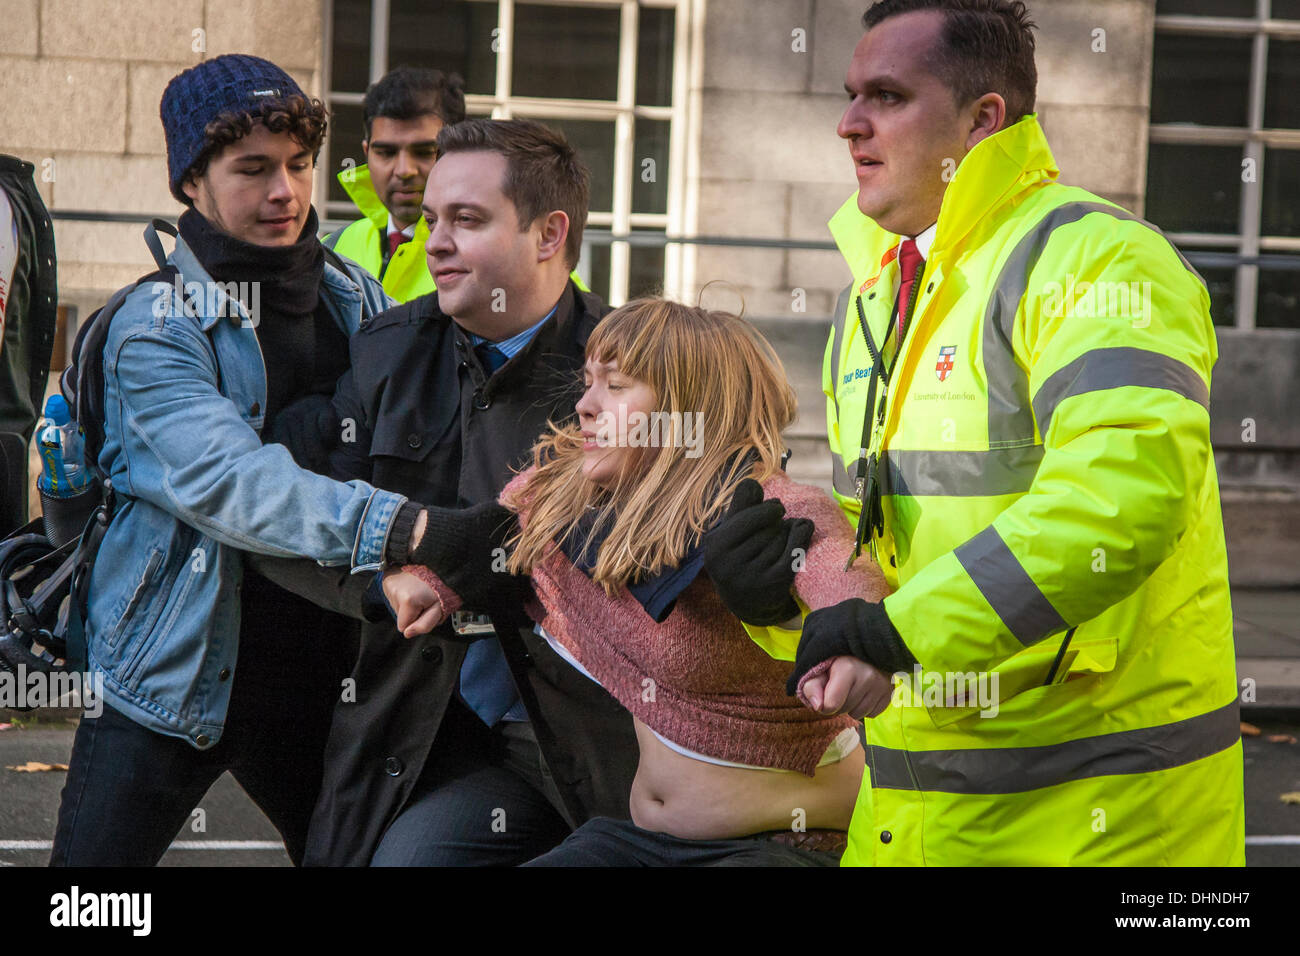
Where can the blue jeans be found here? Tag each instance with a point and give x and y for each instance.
(607, 842)
(484, 798)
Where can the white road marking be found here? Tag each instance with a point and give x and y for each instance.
(178, 845)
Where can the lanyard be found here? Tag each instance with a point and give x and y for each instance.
(866, 484)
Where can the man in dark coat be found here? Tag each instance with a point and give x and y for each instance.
(447, 750)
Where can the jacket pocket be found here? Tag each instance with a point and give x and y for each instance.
(402, 437)
(1020, 676)
(137, 596)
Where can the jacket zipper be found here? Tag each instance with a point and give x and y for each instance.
(150, 568)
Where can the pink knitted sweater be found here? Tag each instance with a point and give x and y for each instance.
(698, 679)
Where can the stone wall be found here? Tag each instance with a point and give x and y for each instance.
(82, 80)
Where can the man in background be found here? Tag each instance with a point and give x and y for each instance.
(404, 112)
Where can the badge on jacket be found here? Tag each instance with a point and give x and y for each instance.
(944, 365)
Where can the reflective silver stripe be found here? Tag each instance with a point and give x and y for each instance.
(839, 319)
(1020, 769)
(840, 479)
(1010, 415)
(961, 474)
(1012, 593)
(1116, 368)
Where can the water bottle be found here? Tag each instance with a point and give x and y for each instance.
(60, 445)
(67, 494)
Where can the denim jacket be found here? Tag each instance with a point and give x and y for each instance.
(185, 393)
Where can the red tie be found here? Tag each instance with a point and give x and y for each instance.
(395, 239)
(909, 259)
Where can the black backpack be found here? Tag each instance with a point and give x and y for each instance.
(45, 566)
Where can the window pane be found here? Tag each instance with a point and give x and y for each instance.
(1278, 305)
(345, 133)
(1209, 8)
(645, 271)
(1281, 106)
(448, 36)
(566, 52)
(1221, 282)
(350, 53)
(1194, 188)
(1281, 213)
(594, 141)
(597, 258)
(650, 166)
(1202, 80)
(1286, 9)
(654, 63)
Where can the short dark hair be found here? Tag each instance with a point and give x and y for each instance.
(543, 172)
(306, 120)
(409, 92)
(988, 47)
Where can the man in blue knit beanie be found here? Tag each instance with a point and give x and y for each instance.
(208, 666)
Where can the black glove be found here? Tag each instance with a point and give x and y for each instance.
(749, 556)
(854, 627)
(310, 429)
(461, 547)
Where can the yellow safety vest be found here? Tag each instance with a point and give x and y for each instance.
(407, 275)
(1046, 469)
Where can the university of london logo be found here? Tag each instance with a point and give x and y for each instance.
(944, 366)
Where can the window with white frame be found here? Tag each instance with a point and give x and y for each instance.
(1223, 165)
(610, 74)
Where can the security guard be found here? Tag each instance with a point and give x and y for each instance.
(1017, 393)
(403, 113)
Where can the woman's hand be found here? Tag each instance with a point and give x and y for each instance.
(416, 605)
(848, 686)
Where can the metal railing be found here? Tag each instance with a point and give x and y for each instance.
(1210, 260)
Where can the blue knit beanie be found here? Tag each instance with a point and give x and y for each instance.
(233, 82)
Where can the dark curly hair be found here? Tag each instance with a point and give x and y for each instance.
(408, 92)
(306, 120)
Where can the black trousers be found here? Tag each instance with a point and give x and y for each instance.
(607, 842)
(130, 790)
(484, 798)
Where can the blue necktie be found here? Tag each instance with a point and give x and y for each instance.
(489, 356)
(486, 684)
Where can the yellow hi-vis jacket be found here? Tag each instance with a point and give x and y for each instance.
(1046, 468)
(407, 275)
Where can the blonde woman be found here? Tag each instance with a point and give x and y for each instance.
(682, 408)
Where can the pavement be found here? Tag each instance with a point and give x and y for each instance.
(232, 831)
(1266, 629)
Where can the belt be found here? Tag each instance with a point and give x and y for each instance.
(817, 840)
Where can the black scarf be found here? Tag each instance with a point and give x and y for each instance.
(289, 277)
